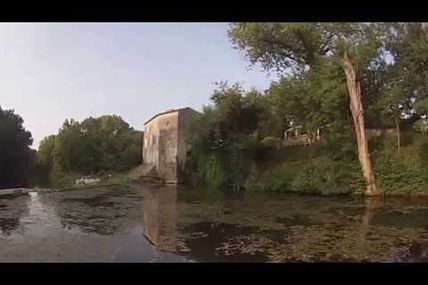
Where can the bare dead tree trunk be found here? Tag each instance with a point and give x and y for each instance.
(397, 127)
(356, 106)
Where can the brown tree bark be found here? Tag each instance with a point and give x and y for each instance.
(356, 106)
(397, 127)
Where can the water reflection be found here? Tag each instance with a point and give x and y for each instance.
(141, 223)
(101, 211)
(371, 204)
(11, 212)
(260, 228)
(160, 218)
(172, 223)
(292, 228)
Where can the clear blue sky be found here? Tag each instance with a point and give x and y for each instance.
(53, 71)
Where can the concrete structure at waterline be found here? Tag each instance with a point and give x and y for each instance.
(165, 145)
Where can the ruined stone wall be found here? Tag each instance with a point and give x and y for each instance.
(150, 146)
(166, 145)
(167, 164)
(160, 145)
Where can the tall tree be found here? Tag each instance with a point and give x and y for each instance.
(45, 158)
(106, 143)
(225, 137)
(299, 48)
(407, 90)
(15, 152)
(356, 106)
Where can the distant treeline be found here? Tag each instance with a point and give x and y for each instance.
(95, 146)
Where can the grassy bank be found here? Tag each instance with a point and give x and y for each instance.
(307, 170)
(66, 181)
(317, 170)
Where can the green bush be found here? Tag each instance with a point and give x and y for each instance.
(60, 179)
(321, 176)
(402, 172)
(328, 177)
(325, 170)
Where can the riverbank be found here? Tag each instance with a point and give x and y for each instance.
(11, 192)
(323, 170)
(6, 193)
(74, 181)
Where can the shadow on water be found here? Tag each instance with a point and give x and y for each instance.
(11, 211)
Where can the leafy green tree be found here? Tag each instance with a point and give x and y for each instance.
(45, 153)
(302, 48)
(73, 150)
(225, 138)
(394, 82)
(93, 146)
(45, 158)
(15, 153)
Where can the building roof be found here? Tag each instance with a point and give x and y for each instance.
(167, 112)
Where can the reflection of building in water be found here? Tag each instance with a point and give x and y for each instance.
(160, 218)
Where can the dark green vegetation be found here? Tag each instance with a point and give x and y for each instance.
(15, 154)
(236, 140)
(95, 146)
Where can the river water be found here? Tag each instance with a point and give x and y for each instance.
(141, 223)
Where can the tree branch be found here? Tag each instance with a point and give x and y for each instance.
(271, 43)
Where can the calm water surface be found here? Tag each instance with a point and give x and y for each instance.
(157, 224)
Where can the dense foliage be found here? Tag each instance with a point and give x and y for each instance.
(15, 153)
(390, 59)
(227, 139)
(93, 146)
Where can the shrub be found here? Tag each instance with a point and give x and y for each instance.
(328, 177)
(318, 176)
(403, 172)
(275, 179)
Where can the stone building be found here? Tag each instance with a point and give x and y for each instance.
(165, 146)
